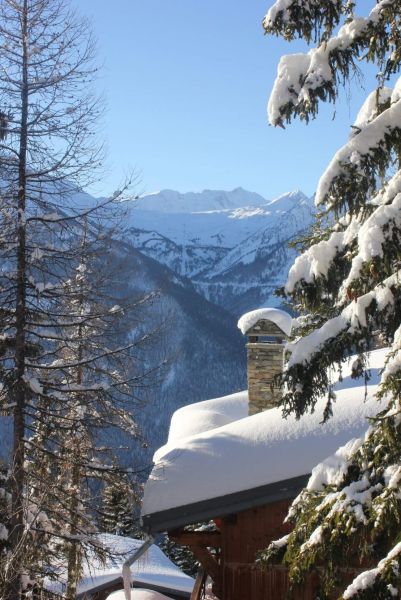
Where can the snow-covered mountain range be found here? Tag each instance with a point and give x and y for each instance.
(233, 246)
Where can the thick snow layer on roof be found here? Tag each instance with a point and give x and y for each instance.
(203, 416)
(138, 594)
(279, 317)
(153, 568)
(260, 449)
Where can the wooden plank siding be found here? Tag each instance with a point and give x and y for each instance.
(240, 538)
(250, 582)
(228, 556)
(243, 535)
(246, 533)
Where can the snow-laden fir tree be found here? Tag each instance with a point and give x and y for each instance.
(180, 556)
(346, 285)
(120, 508)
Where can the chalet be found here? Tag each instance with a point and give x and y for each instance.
(153, 571)
(236, 461)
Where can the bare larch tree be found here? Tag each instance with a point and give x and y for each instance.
(51, 356)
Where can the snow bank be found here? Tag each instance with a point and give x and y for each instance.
(279, 317)
(260, 449)
(153, 568)
(138, 594)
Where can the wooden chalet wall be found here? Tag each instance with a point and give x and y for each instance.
(253, 583)
(232, 566)
(243, 536)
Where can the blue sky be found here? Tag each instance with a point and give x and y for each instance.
(187, 84)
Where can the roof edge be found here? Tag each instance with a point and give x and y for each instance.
(221, 506)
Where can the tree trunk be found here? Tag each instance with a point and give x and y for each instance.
(18, 477)
(74, 557)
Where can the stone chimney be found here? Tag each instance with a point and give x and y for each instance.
(267, 330)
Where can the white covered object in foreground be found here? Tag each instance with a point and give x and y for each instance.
(153, 568)
(138, 594)
(277, 316)
(260, 449)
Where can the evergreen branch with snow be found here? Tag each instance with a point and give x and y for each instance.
(346, 286)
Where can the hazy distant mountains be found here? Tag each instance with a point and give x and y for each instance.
(233, 246)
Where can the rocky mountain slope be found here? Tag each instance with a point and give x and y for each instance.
(201, 351)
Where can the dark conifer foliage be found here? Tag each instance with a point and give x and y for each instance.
(120, 508)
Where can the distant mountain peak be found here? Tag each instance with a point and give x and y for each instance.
(288, 201)
(171, 201)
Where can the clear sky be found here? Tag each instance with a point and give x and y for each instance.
(187, 83)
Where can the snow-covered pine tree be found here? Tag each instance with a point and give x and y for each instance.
(347, 286)
(120, 507)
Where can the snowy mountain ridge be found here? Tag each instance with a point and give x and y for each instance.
(235, 250)
(171, 201)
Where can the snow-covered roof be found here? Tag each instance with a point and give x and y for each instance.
(138, 594)
(282, 319)
(248, 452)
(203, 416)
(153, 568)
